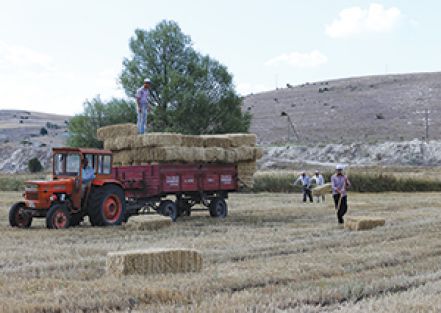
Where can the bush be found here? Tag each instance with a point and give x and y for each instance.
(361, 182)
(34, 165)
(43, 131)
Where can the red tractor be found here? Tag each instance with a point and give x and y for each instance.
(116, 193)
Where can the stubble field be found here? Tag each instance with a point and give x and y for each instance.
(272, 254)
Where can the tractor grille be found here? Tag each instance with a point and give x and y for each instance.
(31, 195)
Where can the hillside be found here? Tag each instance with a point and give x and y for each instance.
(364, 109)
(21, 140)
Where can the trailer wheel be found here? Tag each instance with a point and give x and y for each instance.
(58, 217)
(218, 208)
(18, 217)
(169, 208)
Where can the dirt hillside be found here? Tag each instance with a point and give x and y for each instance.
(365, 109)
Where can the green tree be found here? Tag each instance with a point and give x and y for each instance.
(192, 93)
(82, 127)
(34, 165)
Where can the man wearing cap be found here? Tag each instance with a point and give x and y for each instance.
(306, 186)
(319, 180)
(340, 184)
(142, 101)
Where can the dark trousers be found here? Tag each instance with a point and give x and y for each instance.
(307, 193)
(341, 211)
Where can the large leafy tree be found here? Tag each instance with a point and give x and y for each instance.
(191, 93)
(82, 127)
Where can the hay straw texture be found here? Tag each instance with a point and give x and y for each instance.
(149, 223)
(242, 140)
(214, 154)
(158, 140)
(168, 154)
(114, 131)
(363, 222)
(123, 157)
(120, 143)
(216, 141)
(245, 172)
(192, 141)
(322, 189)
(153, 261)
(245, 154)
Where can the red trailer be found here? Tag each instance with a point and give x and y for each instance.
(148, 187)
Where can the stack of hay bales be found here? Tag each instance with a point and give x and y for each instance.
(129, 148)
(363, 222)
(153, 261)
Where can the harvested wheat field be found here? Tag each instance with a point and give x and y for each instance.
(272, 254)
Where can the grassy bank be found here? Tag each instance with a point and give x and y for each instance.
(361, 182)
(14, 182)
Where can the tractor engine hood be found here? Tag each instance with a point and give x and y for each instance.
(53, 186)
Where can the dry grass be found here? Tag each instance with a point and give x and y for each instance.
(272, 254)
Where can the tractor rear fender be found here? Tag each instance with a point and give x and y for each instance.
(102, 182)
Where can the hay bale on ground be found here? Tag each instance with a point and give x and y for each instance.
(117, 130)
(192, 141)
(321, 190)
(153, 261)
(216, 141)
(363, 222)
(242, 140)
(158, 140)
(150, 223)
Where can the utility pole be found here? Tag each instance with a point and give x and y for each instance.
(426, 113)
(291, 127)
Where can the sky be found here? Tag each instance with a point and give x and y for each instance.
(56, 54)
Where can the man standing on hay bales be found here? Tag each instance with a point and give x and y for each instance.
(319, 181)
(340, 184)
(142, 100)
(306, 186)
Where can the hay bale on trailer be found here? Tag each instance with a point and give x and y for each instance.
(158, 140)
(123, 157)
(245, 154)
(322, 189)
(242, 140)
(150, 223)
(216, 141)
(192, 141)
(153, 261)
(363, 222)
(120, 143)
(118, 130)
(245, 172)
(214, 154)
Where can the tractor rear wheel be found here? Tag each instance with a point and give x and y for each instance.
(107, 206)
(218, 208)
(18, 217)
(58, 217)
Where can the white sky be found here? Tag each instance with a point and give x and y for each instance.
(55, 54)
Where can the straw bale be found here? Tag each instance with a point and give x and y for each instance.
(230, 155)
(169, 154)
(153, 261)
(245, 154)
(215, 154)
(322, 189)
(158, 140)
(258, 153)
(120, 143)
(193, 154)
(242, 140)
(150, 223)
(363, 222)
(218, 141)
(123, 156)
(192, 141)
(117, 130)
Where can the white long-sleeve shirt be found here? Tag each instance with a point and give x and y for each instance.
(319, 179)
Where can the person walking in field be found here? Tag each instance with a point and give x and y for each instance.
(319, 180)
(142, 101)
(306, 186)
(340, 184)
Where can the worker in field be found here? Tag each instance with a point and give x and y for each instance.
(142, 102)
(340, 184)
(87, 176)
(319, 180)
(305, 181)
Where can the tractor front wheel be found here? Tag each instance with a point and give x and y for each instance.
(58, 217)
(18, 217)
(107, 206)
